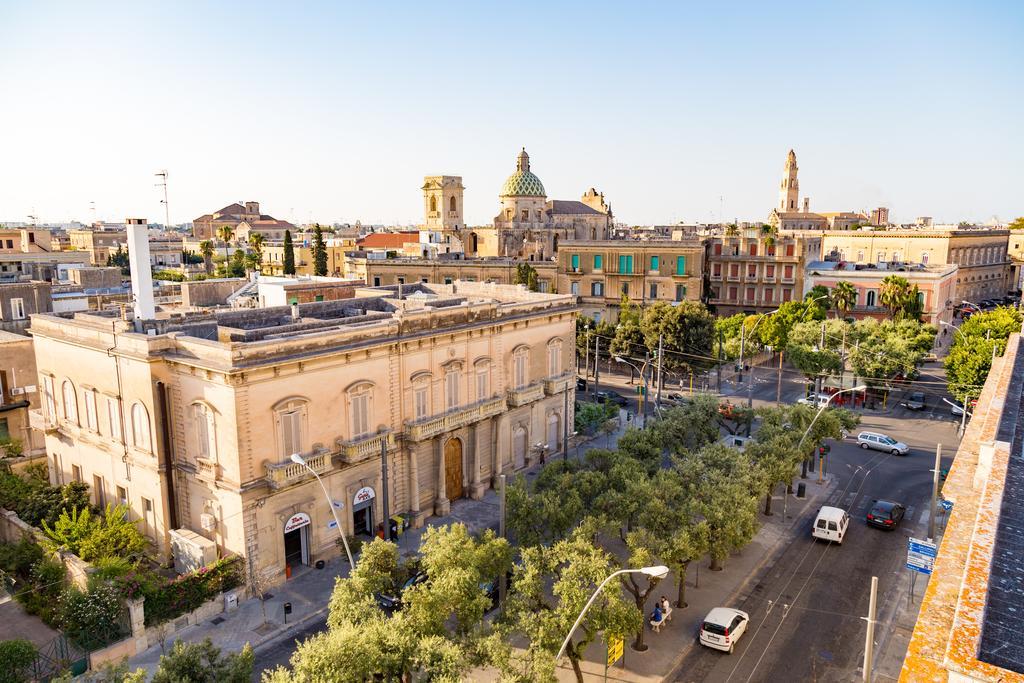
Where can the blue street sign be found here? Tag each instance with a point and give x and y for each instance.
(921, 555)
(332, 524)
(947, 505)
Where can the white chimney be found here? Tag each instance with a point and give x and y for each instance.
(138, 261)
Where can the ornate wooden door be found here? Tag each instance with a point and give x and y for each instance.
(453, 469)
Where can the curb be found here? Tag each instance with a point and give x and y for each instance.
(773, 553)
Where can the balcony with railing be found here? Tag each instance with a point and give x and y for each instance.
(787, 279)
(429, 427)
(207, 469)
(365, 447)
(283, 474)
(716, 277)
(525, 395)
(733, 277)
(557, 385)
(37, 420)
(768, 279)
(750, 277)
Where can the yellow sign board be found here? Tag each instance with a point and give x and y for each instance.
(614, 650)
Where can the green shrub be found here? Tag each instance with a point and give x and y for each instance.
(93, 538)
(111, 568)
(91, 618)
(170, 599)
(16, 656)
(11, 448)
(170, 275)
(35, 500)
(18, 558)
(71, 529)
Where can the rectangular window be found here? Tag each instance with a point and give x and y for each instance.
(318, 297)
(681, 265)
(519, 370)
(752, 270)
(753, 248)
(574, 288)
(626, 264)
(148, 522)
(76, 473)
(90, 410)
(598, 262)
(451, 389)
(654, 291)
(419, 401)
(360, 414)
(734, 270)
(482, 389)
(787, 294)
(769, 270)
(733, 293)
(750, 293)
(787, 272)
(654, 263)
(99, 491)
(718, 250)
(790, 249)
(17, 309)
(625, 289)
(114, 418)
(291, 432)
(596, 289)
(768, 296)
(575, 261)
(542, 286)
(122, 496)
(376, 280)
(554, 360)
(716, 270)
(680, 292)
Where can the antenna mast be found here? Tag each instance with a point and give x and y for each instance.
(162, 175)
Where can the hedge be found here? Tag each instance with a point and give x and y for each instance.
(167, 600)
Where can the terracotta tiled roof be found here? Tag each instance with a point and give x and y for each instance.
(388, 240)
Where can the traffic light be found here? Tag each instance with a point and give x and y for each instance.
(821, 450)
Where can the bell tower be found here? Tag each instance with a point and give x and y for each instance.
(789, 190)
(442, 202)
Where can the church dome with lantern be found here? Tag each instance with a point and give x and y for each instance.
(523, 183)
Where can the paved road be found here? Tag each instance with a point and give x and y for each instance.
(278, 653)
(805, 608)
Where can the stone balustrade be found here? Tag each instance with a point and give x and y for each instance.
(363, 448)
(430, 427)
(557, 385)
(525, 395)
(284, 474)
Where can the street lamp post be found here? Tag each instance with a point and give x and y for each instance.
(299, 460)
(657, 572)
(818, 414)
(643, 376)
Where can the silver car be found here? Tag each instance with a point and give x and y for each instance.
(881, 442)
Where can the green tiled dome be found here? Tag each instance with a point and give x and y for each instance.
(523, 183)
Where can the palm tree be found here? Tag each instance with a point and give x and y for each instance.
(256, 240)
(732, 230)
(225, 232)
(895, 292)
(206, 251)
(844, 297)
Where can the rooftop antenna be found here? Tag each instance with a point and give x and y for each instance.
(162, 175)
(33, 218)
(92, 210)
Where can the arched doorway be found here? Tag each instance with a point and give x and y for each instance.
(453, 469)
(519, 448)
(553, 433)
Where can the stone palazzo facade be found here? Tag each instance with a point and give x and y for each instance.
(192, 420)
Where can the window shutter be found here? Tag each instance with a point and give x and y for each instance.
(680, 265)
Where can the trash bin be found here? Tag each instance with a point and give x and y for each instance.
(801, 490)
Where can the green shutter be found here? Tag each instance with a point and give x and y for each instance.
(654, 263)
(622, 263)
(598, 262)
(626, 264)
(680, 265)
(575, 261)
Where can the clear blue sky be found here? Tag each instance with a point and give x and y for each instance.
(336, 111)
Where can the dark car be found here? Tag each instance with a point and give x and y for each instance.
(885, 514)
(390, 604)
(581, 384)
(491, 589)
(915, 401)
(610, 397)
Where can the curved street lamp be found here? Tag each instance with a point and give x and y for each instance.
(656, 572)
(807, 431)
(299, 460)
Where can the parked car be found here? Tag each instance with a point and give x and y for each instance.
(610, 397)
(881, 442)
(818, 401)
(722, 627)
(581, 384)
(390, 604)
(674, 398)
(885, 514)
(915, 401)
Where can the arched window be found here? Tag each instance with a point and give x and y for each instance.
(290, 418)
(70, 401)
(554, 357)
(421, 395)
(482, 369)
(360, 401)
(206, 436)
(140, 428)
(433, 204)
(870, 300)
(451, 204)
(520, 367)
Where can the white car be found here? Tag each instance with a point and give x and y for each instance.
(722, 627)
(822, 400)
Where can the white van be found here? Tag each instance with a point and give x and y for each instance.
(831, 524)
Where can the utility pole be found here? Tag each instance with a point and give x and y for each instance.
(565, 423)
(586, 361)
(502, 579)
(935, 490)
(743, 348)
(842, 365)
(643, 383)
(817, 378)
(778, 387)
(869, 640)
(661, 353)
(162, 175)
(384, 486)
(720, 334)
(597, 359)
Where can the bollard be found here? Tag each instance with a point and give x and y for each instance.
(287, 611)
(801, 490)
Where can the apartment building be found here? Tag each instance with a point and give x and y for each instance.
(500, 270)
(99, 244)
(985, 267)
(602, 272)
(936, 285)
(754, 271)
(165, 250)
(18, 393)
(20, 300)
(192, 420)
